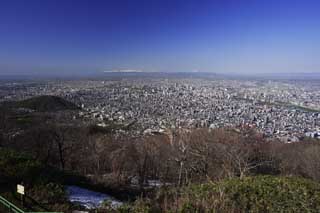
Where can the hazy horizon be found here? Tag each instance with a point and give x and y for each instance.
(232, 37)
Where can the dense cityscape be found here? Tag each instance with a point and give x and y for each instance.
(287, 110)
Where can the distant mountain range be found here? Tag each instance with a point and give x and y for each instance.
(141, 74)
(277, 76)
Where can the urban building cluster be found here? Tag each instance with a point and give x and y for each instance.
(287, 110)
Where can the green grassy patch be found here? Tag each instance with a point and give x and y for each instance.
(251, 194)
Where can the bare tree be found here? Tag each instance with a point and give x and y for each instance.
(62, 138)
(240, 153)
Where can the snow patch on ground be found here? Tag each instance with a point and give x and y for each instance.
(149, 183)
(89, 199)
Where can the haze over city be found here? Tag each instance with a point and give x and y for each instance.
(221, 36)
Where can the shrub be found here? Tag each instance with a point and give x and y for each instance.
(17, 167)
(44, 189)
(250, 194)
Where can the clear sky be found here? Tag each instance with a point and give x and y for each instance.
(222, 36)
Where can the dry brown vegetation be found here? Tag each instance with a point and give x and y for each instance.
(176, 158)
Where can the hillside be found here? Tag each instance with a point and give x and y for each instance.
(251, 194)
(44, 103)
(39, 179)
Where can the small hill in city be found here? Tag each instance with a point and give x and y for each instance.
(44, 103)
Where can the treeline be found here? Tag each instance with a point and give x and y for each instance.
(176, 158)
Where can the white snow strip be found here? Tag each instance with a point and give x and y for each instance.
(89, 199)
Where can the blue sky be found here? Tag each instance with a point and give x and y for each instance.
(221, 36)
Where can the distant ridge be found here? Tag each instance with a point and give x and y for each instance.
(144, 74)
(307, 76)
(44, 103)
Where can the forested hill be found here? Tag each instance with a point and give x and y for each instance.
(42, 104)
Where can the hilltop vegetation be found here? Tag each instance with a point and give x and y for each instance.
(250, 194)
